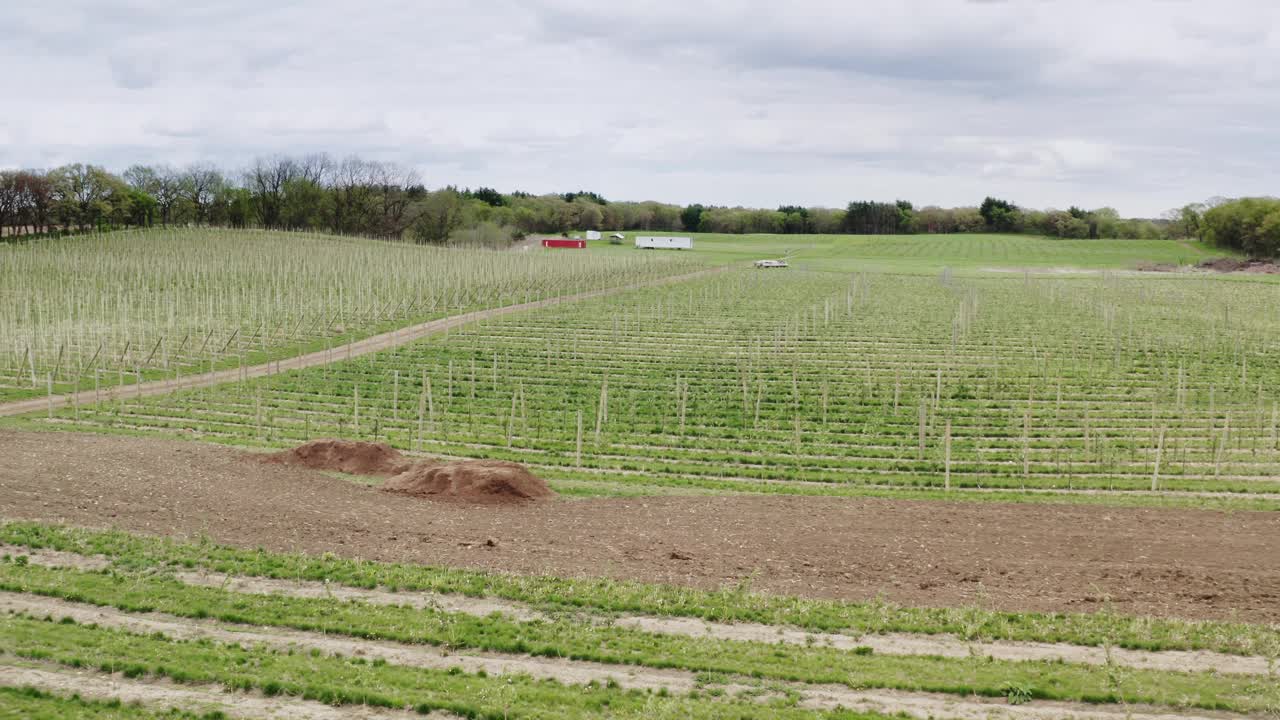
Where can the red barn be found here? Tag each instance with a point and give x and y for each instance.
(563, 243)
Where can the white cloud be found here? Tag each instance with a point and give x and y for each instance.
(1140, 105)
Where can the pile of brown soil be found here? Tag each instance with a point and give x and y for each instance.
(1226, 265)
(348, 456)
(478, 481)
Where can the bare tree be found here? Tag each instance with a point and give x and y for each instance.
(200, 185)
(266, 180)
(316, 168)
(393, 184)
(353, 195)
(10, 198)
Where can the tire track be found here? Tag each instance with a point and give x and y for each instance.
(162, 695)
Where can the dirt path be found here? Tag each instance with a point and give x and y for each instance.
(923, 705)
(356, 348)
(1196, 564)
(193, 698)
(883, 644)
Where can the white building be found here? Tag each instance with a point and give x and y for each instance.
(665, 242)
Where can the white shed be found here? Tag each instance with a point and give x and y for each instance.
(667, 242)
(593, 234)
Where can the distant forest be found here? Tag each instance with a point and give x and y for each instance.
(386, 200)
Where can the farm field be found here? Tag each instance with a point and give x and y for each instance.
(1142, 389)
(359, 633)
(939, 477)
(928, 254)
(104, 310)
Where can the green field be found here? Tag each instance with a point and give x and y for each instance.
(962, 368)
(291, 640)
(931, 253)
(159, 304)
(813, 382)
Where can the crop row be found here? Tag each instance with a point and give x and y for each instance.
(107, 308)
(618, 646)
(134, 554)
(821, 377)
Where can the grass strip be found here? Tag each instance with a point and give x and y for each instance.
(575, 640)
(354, 681)
(736, 604)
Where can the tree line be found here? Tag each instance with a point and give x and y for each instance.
(386, 200)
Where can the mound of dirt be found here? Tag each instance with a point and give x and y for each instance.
(476, 481)
(1226, 265)
(348, 456)
(1157, 267)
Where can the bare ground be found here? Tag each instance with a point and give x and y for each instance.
(161, 695)
(1197, 564)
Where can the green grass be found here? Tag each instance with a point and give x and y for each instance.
(570, 638)
(354, 681)
(141, 554)
(930, 253)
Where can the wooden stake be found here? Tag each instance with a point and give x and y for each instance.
(395, 396)
(946, 454)
(1155, 473)
(920, 447)
(578, 448)
(422, 409)
(602, 408)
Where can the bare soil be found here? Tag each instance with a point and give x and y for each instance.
(160, 694)
(1198, 564)
(1227, 265)
(1214, 265)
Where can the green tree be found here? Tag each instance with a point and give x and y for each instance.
(1250, 225)
(142, 208)
(1000, 215)
(691, 217)
(437, 216)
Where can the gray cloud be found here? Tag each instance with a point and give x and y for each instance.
(1142, 105)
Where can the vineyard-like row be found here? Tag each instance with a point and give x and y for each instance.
(349, 633)
(86, 311)
(812, 382)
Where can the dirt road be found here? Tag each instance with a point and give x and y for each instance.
(1033, 557)
(368, 345)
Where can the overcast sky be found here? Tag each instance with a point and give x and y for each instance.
(1139, 105)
